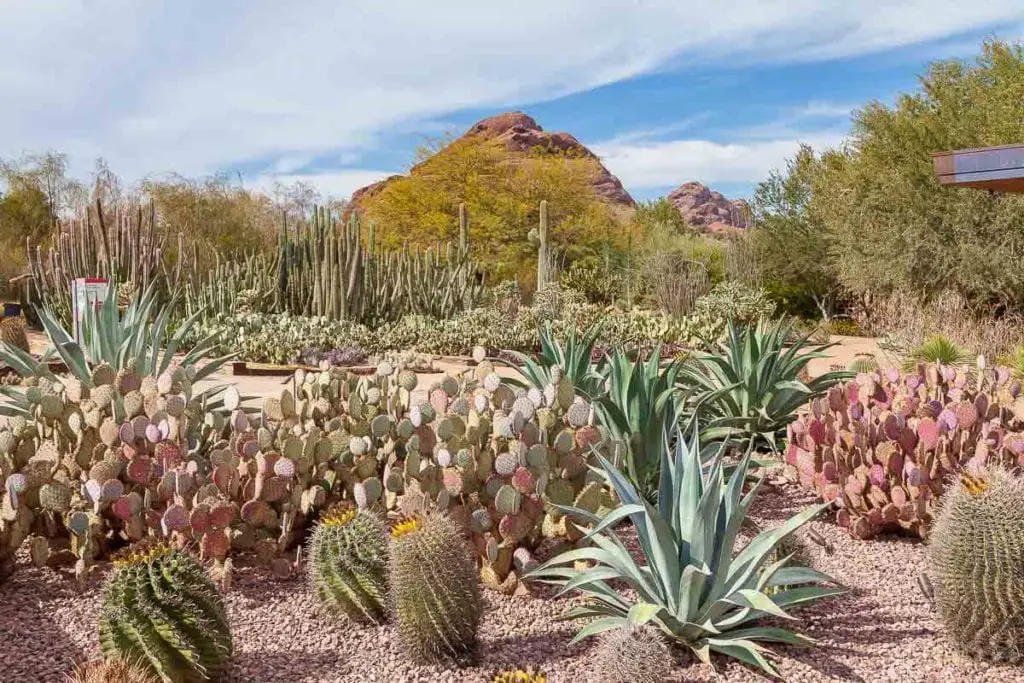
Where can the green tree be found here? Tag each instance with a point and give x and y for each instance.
(789, 240)
(502, 194)
(891, 225)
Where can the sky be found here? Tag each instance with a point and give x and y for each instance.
(339, 93)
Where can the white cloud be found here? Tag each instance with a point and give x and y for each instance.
(197, 86)
(669, 163)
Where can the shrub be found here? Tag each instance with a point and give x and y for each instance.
(937, 349)
(731, 300)
(703, 595)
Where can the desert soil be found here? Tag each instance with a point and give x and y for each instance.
(882, 631)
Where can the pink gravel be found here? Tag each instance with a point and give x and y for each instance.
(882, 631)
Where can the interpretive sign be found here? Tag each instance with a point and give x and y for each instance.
(85, 292)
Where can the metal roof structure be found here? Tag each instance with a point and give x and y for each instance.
(999, 169)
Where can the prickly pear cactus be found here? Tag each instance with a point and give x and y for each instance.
(347, 563)
(630, 654)
(974, 554)
(883, 446)
(161, 608)
(435, 595)
(15, 519)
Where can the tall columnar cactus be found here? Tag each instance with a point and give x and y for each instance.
(539, 236)
(435, 596)
(975, 553)
(630, 654)
(161, 608)
(348, 562)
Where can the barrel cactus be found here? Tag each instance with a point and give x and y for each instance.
(974, 554)
(161, 608)
(520, 676)
(632, 653)
(435, 596)
(348, 561)
(111, 671)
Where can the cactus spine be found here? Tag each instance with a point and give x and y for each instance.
(434, 588)
(161, 608)
(632, 653)
(974, 554)
(113, 671)
(348, 563)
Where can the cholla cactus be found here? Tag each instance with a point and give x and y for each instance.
(980, 602)
(347, 561)
(434, 590)
(161, 608)
(883, 445)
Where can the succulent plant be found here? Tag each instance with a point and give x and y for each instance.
(882, 446)
(111, 671)
(629, 654)
(435, 597)
(12, 331)
(348, 563)
(527, 675)
(161, 608)
(974, 550)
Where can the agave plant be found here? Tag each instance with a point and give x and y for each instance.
(752, 389)
(693, 585)
(937, 349)
(573, 357)
(639, 406)
(139, 338)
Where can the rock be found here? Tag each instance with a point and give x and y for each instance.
(706, 209)
(521, 134)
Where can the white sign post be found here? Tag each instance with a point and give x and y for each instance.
(85, 292)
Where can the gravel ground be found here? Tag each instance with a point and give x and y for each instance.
(881, 631)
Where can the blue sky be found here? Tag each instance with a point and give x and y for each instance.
(338, 94)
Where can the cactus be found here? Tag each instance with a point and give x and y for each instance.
(12, 331)
(435, 597)
(883, 445)
(161, 608)
(519, 676)
(347, 563)
(632, 653)
(111, 671)
(540, 238)
(974, 553)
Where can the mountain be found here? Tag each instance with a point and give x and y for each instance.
(709, 210)
(521, 135)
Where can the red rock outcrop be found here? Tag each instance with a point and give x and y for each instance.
(521, 134)
(710, 210)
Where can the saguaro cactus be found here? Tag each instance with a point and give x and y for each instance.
(543, 248)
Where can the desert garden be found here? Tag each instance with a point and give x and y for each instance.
(518, 453)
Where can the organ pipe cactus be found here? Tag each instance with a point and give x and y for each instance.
(161, 608)
(347, 563)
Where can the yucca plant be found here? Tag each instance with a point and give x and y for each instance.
(692, 583)
(937, 349)
(640, 404)
(573, 356)
(752, 388)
